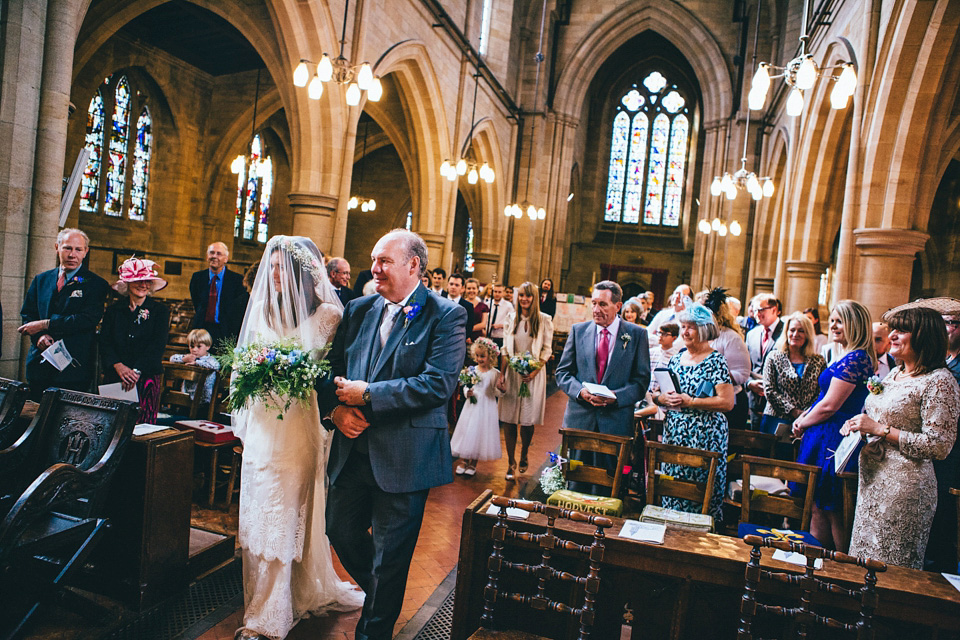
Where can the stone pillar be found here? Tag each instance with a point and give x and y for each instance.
(803, 284)
(486, 265)
(435, 250)
(884, 266)
(313, 217)
(21, 55)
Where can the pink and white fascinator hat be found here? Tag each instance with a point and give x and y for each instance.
(138, 270)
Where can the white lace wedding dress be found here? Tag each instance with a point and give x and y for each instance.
(287, 565)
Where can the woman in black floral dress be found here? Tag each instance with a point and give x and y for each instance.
(695, 415)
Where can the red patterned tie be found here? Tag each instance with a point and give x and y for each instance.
(212, 302)
(603, 350)
(61, 281)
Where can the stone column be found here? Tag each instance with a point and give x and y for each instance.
(435, 250)
(313, 217)
(803, 284)
(21, 55)
(884, 266)
(485, 266)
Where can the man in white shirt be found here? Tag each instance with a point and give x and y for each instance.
(881, 342)
(437, 277)
(760, 341)
(499, 308)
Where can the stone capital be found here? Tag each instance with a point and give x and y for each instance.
(890, 242)
(805, 269)
(315, 204)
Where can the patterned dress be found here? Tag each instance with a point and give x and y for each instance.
(698, 429)
(821, 440)
(898, 493)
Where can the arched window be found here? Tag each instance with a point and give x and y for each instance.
(112, 146)
(648, 154)
(468, 250)
(254, 190)
(485, 16)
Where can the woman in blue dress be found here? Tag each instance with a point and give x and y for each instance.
(843, 388)
(695, 415)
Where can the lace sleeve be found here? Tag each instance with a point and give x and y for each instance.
(855, 367)
(939, 410)
(327, 320)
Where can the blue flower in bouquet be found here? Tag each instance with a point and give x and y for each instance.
(469, 377)
(524, 365)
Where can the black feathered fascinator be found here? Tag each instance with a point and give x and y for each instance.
(715, 298)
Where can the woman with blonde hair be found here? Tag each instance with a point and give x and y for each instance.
(527, 330)
(729, 342)
(790, 373)
(843, 388)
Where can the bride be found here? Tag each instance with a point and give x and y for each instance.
(287, 565)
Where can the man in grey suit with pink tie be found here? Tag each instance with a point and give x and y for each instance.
(395, 362)
(611, 352)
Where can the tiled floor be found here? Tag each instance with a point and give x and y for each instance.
(439, 543)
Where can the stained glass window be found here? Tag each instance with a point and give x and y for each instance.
(648, 154)
(409, 224)
(254, 191)
(90, 183)
(141, 166)
(468, 254)
(676, 164)
(485, 27)
(111, 145)
(615, 176)
(117, 156)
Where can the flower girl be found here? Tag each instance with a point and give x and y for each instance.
(477, 435)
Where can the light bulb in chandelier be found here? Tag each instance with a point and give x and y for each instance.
(353, 94)
(445, 168)
(352, 202)
(761, 80)
(508, 211)
(727, 183)
(487, 173)
(301, 75)
(756, 99)
(807, 73)
(704, 227)
(365, 76)
(768, 187)
(365, 207)
(461, 167)
(716, 188)
(731, 193)
(753, 183)
(238, 164)
(795, 102)
(315, 90)
(715, 225)
(372, 205)
(757, 194)
(735, 228)
(325, 68)
(541, 213)
(375, 92)
(532, 212)
(722, 231)
(473, 176)
(848, 79)
(838, 97)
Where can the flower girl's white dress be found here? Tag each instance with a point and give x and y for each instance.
(477, 435)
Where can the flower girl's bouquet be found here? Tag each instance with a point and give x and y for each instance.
(524, 365)
(277, 373)
(468, 379)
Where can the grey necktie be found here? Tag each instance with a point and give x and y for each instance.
(390, 312)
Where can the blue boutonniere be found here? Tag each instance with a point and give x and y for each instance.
(410, 312)
(625, 338)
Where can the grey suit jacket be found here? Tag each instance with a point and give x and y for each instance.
(754, 342)
(411, 379)
(627, 375)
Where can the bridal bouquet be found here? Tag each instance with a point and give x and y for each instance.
(468, 378)
(524, 365)
(278, 373)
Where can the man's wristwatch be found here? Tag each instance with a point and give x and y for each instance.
(366, 396)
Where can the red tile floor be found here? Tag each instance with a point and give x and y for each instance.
(439, 543)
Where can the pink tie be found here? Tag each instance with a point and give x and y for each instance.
(61, 281)
(766, 340)
(603, 350)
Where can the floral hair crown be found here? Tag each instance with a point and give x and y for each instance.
(489, 345)
(307, 260)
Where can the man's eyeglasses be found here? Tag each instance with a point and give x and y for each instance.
(773, 306)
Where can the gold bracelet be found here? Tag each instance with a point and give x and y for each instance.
(886, 432)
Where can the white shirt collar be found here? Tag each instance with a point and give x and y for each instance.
(612, 328)
(402, 303)
(452, 299)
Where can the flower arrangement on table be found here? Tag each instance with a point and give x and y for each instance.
(469, 377)
(525, 365)
(277, 373)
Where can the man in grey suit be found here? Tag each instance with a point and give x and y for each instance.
(395, 362)
(607, 351)
(760, 342)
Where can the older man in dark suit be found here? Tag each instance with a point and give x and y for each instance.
(216, 293)
(66, 304)
(395, 360)
(338, 270)
(610, 352)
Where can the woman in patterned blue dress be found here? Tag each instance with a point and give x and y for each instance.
(843, 388)
(695, 415)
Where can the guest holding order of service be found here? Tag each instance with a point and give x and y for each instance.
(134, 335)
(913, 412)
(790, 374)
(695, 415)
(843, 388)
(528, 330)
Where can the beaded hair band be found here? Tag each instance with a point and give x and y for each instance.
(307, 260)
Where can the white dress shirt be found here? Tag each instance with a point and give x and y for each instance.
(612, 329)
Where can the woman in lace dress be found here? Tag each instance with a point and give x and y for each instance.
(843, 388)
(287, 565)
(910, 420)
